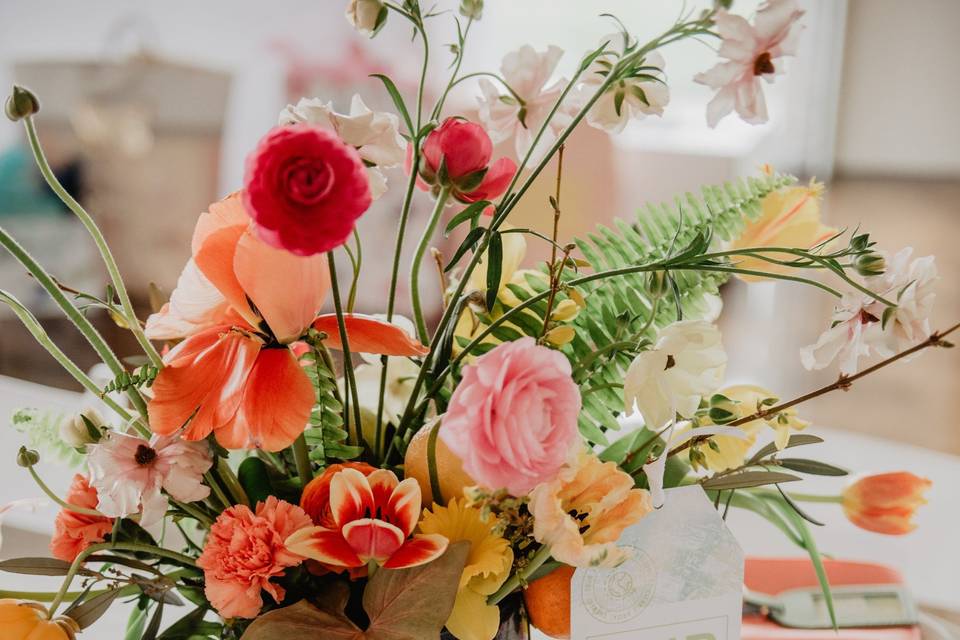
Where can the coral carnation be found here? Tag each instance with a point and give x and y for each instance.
(244, 551)
(305, 188)
(74, 532)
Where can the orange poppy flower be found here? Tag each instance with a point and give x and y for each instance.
(240, 304)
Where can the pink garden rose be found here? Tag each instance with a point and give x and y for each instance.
(244, 551)
(513, 418)
(464, 148)
(74, 532)
(305, 189)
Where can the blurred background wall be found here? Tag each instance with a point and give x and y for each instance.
(152, 107)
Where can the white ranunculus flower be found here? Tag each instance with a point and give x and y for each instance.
(630, 99)
(365, 15)
(527, 72)
(375, 134)
(686, 363)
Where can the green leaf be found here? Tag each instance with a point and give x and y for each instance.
(812, 467)
(469, 213)
(746, 479)
(397, 99)
(254, 479)
(38, 567)
(137, 621)
(494, 267)
(154, 627)
(90, 610)
(810, 544)
(467, 244)
(400, 604)
(796, 440)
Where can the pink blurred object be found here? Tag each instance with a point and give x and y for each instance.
(776, 575)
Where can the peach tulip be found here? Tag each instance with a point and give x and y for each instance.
(885, 503)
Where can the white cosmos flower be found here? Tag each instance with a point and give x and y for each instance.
(857, 328)
(129, 473)
(527, 71)
(375, 134)
(629, 99)
(686, 363)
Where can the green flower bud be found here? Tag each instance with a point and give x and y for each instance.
(21, 104)
(658, 283)
(723, 409)
(27, 457)
(471, 9)
(81, 429)
(870, 264)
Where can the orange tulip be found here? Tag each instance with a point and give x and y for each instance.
(315, 499)
(28, 621)
(885, 503)
(240, 304)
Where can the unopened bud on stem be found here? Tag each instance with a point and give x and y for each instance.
(21, 104)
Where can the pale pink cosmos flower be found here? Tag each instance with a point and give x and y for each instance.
(129, 473)
(752, 52)
(527, 72)
(858, 327)
(513, 418)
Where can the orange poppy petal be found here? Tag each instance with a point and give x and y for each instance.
(373, 539)
(276, 404)
(350, 496)
(369, 335)
(204, 376)
(228, 212)
(418, 550)
(323, 545)
(404, 505)
(288, 290)
(215, 259)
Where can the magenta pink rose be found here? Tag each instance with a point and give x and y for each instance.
(305, 189)
(513, 418)
(464, 149)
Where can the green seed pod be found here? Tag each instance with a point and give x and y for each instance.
(21, 104)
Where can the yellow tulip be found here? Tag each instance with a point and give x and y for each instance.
(28, 621)
(790, 218)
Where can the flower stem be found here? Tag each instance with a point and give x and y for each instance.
(843, 382)
(231, 483)
(432, 464)
(50, 494)
(302, 458)
(809, 497)
(130, 315)
(520, 577)
(418, 259)
(107, 546)
(80, 321)
(40, 335)
(345, 343)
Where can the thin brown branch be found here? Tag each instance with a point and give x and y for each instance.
(555, 271)
(936, 339)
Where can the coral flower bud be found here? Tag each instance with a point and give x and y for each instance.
(885, 503)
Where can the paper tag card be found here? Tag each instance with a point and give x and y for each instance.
(684, 581)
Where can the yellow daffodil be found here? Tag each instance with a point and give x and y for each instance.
(790, 218)
(487, 567)
(728, 452)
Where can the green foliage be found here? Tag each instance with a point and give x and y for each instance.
(142, 377)
(42, 429)
(326, 438)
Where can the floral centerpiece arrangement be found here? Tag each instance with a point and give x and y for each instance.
(269, 470)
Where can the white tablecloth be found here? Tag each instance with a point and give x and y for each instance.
(929, 558)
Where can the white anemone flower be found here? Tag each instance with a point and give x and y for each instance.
(686, 364)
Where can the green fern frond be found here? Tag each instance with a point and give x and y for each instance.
(617, 322)
(142, 377)
(326, 438)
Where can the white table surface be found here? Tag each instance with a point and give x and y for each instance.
(929, 558)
